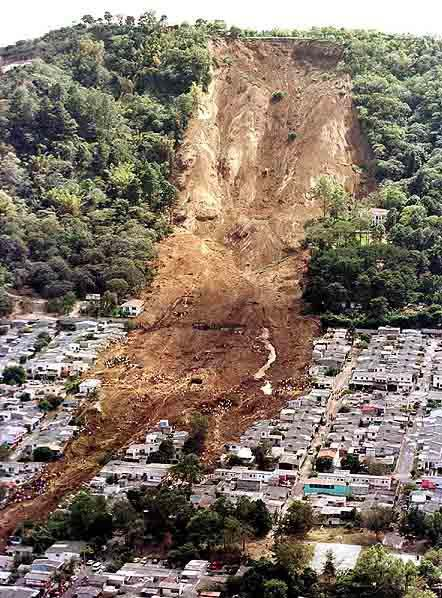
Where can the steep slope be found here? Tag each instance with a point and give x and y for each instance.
(223, 330)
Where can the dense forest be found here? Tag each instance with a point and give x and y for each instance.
(396, 276)
(88, 131)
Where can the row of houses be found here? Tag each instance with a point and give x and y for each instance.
(329, 355)
(19, 338)
(332, 349)
(72, 345)
(429, 443)
(287, 441)
(337, 497)
(372, 426)
(390, 382)
(75, 348)
(141, 452)
(394, 360)
(141, 578)
(118, 476)
(28, 420)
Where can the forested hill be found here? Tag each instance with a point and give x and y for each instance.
(88, 131)
(397, 277)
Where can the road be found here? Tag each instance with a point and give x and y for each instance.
(405, 462)
(340, 384)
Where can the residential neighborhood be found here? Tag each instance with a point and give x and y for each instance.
(37, 416)
(368, 425)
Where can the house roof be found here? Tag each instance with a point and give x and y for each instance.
(136, 303)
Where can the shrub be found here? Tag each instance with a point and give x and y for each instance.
(277, 96)
(14, 375)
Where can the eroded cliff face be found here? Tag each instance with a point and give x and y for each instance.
(223, 330)
(246, 179)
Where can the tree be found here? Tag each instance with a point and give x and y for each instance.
(293, 556)
(417, 593)
(49, 402)
(109, 302)
(263, 455)
(413, 523)
(331, 196)
(205, 529)
(183, 554)
(165, 453)
(118, 286)
(232, 532)
(123, 514)
(434, 556)
(199, 425)
(275, 588)
(14, 375)
(86, 153)
(68, 302)
(166, 511)
(6, 304)
(43, 340)
(187, 471)
(433, 528)
(351, 462)
(254, 514)
(377, 519)
(5, 451)
(298, 520)
(329, 570)
(376, 468)
(89, 517)
(376, 574)
(44, 454)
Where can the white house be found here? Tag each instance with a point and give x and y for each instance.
(132, 308)
(66, 551)
(378, 216)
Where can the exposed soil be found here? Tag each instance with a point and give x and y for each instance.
(233, 267)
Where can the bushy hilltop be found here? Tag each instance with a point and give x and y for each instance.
(88, 132)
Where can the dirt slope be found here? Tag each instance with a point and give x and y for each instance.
(226, 300)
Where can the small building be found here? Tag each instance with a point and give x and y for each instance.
(325, 486)
(66, 551)
(378, 216)
(330, 453)
(437, 379)
(132, 308)
(89, 386)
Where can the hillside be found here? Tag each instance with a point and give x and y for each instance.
(223, 330)
(89, 124)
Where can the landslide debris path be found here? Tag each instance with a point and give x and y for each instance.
(232, 268)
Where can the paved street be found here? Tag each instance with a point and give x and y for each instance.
(340, 384)
(405, 461)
